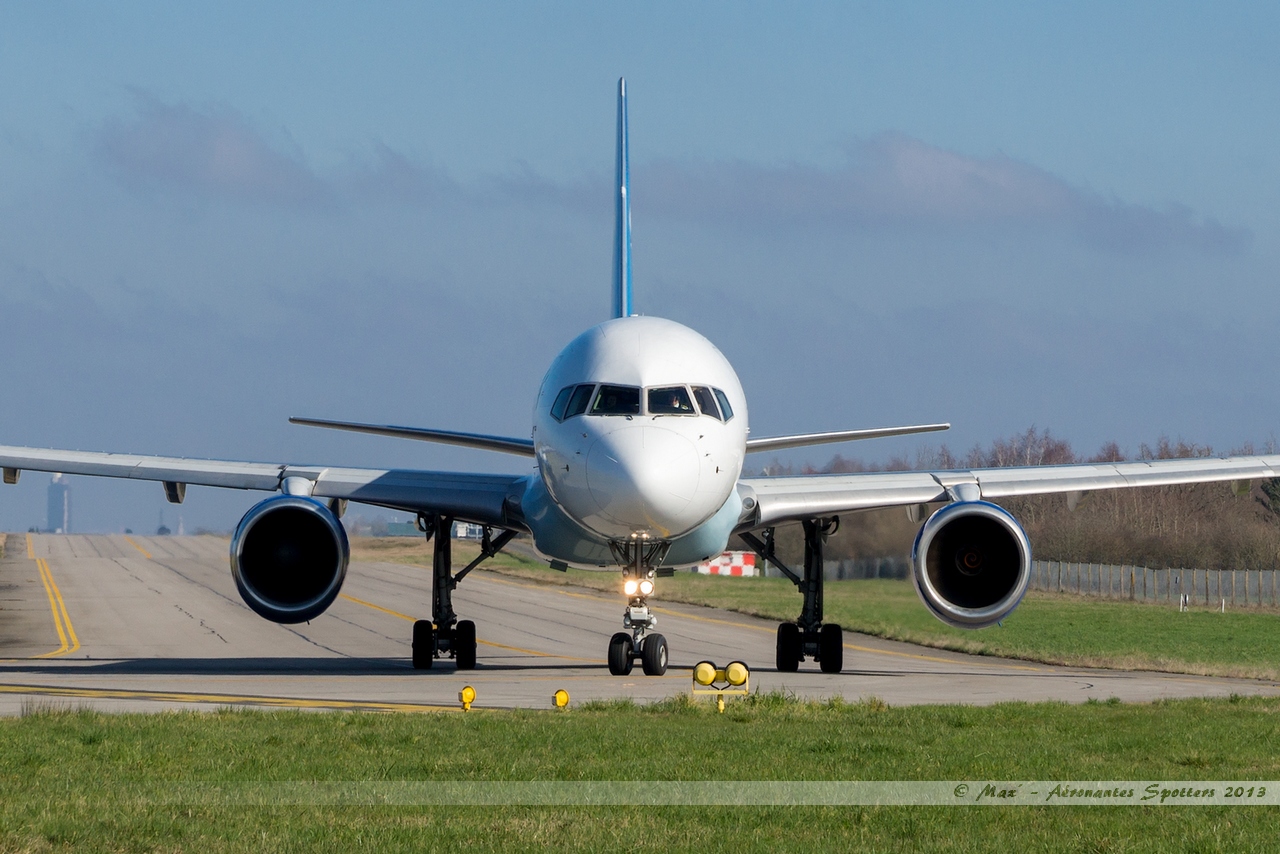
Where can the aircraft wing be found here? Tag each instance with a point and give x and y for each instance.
(490, 499)
(782, 499)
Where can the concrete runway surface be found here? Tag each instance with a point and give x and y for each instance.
(147, 623)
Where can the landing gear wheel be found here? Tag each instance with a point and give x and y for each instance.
(788, 660)
(831, 648)
(653, 655)
(621, 654)
(424, 645)
(464, 645)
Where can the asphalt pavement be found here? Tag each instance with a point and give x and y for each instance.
(149, 623)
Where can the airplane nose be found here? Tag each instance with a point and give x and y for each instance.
(644, 478)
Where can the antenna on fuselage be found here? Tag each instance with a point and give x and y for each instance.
(622, 215)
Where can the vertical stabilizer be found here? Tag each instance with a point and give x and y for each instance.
(622, 215)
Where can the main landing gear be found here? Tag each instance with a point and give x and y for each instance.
(449, 636)
(640, 558)
(807, 636)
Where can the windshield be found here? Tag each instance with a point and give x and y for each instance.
(617, 400)
(578, 403)
(572, 400)
(670, 401)
(725, 408)
(706, 401)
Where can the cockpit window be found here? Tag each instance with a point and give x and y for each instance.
(670, 401)
(562, 399)
(578, 400)
(617, 400)
(724, 405)
(706, 401)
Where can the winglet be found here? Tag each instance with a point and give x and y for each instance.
(622, 215)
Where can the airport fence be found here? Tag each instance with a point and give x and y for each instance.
(1206, 587)
(1241, 588)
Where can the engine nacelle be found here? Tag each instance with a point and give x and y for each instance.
(289, 557)
(971, 563)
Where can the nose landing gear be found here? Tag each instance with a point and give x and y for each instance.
(640, 557)
(807, 636)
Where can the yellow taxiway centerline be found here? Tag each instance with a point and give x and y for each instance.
(61, 620)
(31, 550)
(482, 642)
(130, 541)
(222, 699)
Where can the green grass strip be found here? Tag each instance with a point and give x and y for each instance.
(84, 781)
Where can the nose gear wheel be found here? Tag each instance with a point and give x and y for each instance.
(640, 558)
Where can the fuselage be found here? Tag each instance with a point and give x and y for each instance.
(640, 430)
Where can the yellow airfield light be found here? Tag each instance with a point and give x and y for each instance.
(709, 679)
(467, 696)
(561, 699)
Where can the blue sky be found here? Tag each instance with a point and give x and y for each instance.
(216, 216)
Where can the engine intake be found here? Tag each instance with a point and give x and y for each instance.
(289, 557)
(971, 563)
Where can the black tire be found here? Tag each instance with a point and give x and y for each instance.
(653, 655)
(788, 659)
(464, 645)
(424, 645)
(621, 654)
(831, 648)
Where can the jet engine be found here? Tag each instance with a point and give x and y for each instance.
(289, 557)
(971, 563)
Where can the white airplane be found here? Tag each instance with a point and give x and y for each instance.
(639, 434)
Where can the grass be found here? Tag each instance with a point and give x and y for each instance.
(1046, 627)
(415, 551)
(76, 780)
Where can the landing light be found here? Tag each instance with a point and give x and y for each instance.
(646, 587)
(630, 587)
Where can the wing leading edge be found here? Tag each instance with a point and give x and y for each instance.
(782, 499)
(481, 441)
(489, 499)
(801, 440)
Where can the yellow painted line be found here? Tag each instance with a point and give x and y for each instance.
(61, 620)
(145, 553)
(223, 699)
(53, 606)
(31, 551)
(378, 608)
(478, 640)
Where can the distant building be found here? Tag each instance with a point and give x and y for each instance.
(59, 505)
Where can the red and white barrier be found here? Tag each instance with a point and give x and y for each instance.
(730, 563)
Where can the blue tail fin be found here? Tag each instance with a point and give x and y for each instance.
(622, 215)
